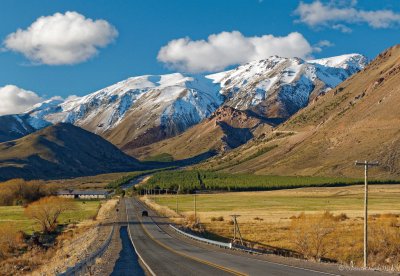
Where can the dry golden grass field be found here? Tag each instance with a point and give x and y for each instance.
(271, 218)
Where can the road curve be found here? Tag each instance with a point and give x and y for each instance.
(168, 255)
(158, 259)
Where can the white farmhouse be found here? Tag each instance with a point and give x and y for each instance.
(84, 194)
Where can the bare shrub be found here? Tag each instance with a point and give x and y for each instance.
(312, 234)
(341, 217)
(220, 218)
(10, 240)
(384, 241)
(27, 262)
(193, 223)
(21, 192)
(47, 210)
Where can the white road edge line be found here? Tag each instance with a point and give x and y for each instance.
(134, 247)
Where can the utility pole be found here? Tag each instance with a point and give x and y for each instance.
(236, 230)
(366, 165)
(177, 192)
(195, 207)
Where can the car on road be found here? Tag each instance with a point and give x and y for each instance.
(145, 213)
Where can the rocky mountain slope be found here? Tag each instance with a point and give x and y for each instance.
(358, 120)
(278, 87)
(225, 129)
(142, 110)
(14, 127)
(61, 150)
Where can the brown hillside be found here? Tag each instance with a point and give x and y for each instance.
(359, 119)
(225, 129)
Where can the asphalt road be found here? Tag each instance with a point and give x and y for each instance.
(159, 260)
(127, 262)
(165, 254)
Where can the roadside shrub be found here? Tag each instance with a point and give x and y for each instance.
(192, 223)
(312, 235)
(10, 240)
(47, 210)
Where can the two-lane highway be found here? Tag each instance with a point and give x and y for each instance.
(165, 254)
(158, 259)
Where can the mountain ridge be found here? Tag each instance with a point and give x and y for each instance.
(358, 120)
(143, 110)
(225, 129)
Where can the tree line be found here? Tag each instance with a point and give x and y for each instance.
(22, 192)
(191, 180)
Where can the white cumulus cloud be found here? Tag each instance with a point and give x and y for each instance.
(322, 44)
(58, 39)
(15, 100)
(230, 48)
(336, 14)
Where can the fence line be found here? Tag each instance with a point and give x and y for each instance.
(85, 263)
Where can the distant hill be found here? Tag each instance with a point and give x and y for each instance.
(225, 129)
(358, 120)
(61, 150)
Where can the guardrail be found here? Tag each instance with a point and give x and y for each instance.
(85, 263)
(220, 244)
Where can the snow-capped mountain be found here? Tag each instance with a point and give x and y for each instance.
(169, 103)
(141, 110)
(278, 87)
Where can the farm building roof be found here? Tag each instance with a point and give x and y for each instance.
(83, 192)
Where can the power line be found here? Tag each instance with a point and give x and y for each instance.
(366, 165)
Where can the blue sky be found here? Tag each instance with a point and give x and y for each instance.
(144, 27)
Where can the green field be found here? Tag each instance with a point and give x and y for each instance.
(199, 180)
(15, 215)
(349, 199)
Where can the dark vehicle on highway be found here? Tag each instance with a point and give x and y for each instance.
(145, 214)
